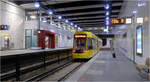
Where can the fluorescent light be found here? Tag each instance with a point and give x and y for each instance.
(33, 17)
(44, 21)
(107, 27)
(95, 28)
(105, 30)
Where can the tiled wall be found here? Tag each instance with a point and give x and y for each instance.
(128, 42)
(13, 16)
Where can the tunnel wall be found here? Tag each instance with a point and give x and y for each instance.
(13, 16)
(127, 45)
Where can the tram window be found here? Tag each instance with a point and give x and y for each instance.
(79, 43)
(94, 43)
(89, 44)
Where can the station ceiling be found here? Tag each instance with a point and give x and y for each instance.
(87, 14)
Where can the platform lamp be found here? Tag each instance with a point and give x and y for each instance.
(59, 20)
(72, 24)
(37, 5)
(66, 23)
(75, 26)
(50, 11)
(107, 7)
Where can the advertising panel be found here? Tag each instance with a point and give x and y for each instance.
(139, 40)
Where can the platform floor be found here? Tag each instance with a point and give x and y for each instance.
(103, 67)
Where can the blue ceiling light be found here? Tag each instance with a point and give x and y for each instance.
(107, 13)
(66, 21)
(5, 27)
(37, 4)
(107, 18)
(71, 23)
(59, 17)
(75, 25)
(78, 28)
(50, 11)
(107, 22)
(107, 6)
(134, 11)
(106, 30)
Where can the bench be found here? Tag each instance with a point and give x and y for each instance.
(145, 68)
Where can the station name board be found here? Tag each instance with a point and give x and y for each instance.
(115, 21)
(3, 27)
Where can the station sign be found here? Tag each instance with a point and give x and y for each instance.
(3, 27)
(115, 21)
(140, 20)
(128, 20)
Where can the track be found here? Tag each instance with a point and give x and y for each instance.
(58, 73)
(73, 70)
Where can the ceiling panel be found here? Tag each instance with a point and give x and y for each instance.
(84, 13)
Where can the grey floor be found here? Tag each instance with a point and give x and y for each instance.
(104, 67)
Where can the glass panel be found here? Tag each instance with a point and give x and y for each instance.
(89, 44)
(34, 41)
(28, 32)
(28, 42)
(80, 43)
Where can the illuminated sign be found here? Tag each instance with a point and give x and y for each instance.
(140, 20)
(117, 21)
(128, 20)
(141, 3)
(3, 27)
(80, 36)
(139, 47)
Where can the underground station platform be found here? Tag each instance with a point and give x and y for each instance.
(75, 40)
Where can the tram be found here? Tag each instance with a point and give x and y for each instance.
(85, 45)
